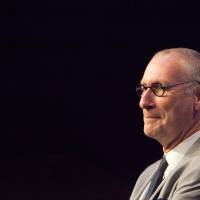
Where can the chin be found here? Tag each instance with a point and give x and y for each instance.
(151, 133)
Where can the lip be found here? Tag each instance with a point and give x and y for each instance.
(151, 117)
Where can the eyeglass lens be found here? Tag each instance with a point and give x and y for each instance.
(156, 88)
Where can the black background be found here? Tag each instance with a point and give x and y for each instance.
(71, 127)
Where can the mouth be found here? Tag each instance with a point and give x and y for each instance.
(150, 119)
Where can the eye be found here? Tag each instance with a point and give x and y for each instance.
(158, 89)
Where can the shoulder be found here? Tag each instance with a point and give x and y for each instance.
(190, 168)
(147, 174)
(150, 169)
(143, 179)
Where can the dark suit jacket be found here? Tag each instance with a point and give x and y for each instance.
(181, 184)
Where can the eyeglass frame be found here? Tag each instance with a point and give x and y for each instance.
(163, 87)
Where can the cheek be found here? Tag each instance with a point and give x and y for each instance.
(178, 113)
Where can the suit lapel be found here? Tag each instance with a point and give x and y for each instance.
(141, 190)
(145, 183)
(157, 190)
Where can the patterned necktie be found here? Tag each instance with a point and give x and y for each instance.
(157, 178)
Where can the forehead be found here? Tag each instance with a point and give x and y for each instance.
(165, 69)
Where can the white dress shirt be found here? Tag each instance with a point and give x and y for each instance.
(174, 156)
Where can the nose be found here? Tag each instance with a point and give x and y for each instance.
(147, 100)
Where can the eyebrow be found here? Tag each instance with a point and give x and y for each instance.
(161, 82)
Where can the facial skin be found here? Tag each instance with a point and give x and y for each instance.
(175, 116)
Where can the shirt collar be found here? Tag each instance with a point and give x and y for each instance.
(175, 155)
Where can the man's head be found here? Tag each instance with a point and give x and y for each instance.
(175, 115)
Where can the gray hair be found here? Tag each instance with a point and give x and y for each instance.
(189, 58)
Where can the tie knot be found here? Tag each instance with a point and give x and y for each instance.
(163, 164)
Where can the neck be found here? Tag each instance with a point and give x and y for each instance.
(179, 139)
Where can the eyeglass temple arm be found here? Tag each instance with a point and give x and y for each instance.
(169, 86)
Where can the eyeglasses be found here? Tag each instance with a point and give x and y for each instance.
(158, 89)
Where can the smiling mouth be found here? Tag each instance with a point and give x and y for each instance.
(150, 119)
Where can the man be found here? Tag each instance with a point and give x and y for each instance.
(170, 101)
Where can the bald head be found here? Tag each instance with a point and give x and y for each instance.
(189, 59)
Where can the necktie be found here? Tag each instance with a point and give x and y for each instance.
(157, 177)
